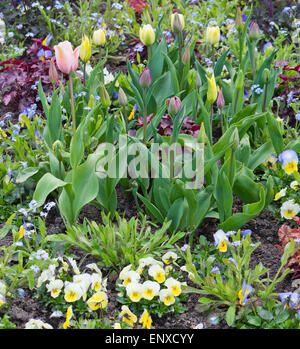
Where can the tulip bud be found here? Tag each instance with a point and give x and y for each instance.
(239, 83)
(186, 55)
(177, 22)
(122, 97)
(265, 75)
(212, 89)
(212, 35)
(57, 148)
(104, 96)
(91, 103)
(254, 32)
(220, 100)
(198, 80)
(53, 75)
(85, 49)
(147, 35)
(145, 78)
(239, 20)
(99, 37)
(202, 134)
(235, 138)
(174, 105)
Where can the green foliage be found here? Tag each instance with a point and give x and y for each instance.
(117, 245)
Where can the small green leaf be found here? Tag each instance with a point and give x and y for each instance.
(230, 315)
(266, 315)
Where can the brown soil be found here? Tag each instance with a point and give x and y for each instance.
(264, 229)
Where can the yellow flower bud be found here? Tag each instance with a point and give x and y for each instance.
(212, 89)
(85, 49)
(99, 37)
(212, 35)
(147, 35)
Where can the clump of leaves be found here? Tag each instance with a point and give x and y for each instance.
(19, 78)
(165, 127)
(285, 234)
(288, 89)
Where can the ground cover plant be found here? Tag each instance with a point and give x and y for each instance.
(149, 165)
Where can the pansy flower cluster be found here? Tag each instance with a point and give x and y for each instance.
(64, 283)
(288, 195)
(153, 284)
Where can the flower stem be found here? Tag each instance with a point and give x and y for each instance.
(145, 117)
(84, 73)
(73, 115)
(265, 98)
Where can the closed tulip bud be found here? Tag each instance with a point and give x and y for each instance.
(235, 138)
(174, 105)
(212, 89)
(239, 23)
(85, 49)
(212, 35)
(66, 58)
(91, 103)
(53, 75)
(254, 32)
(99, 37)
(202, 134)
(198, 80)
(122, 98)
(186, 55)
(57, 148)
(145, 78)
(147, 35)
(220, 100)
(266, 75)
(177, 22)
(104, 96)
(239, 83)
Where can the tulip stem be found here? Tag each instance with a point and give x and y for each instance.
(73, 114)
(180, 40)
(211, 120)
(84, 73)
(213, 57)
(145, 116)
(149, 50)
(253, 62)
(231, 166)
(72, 104)
(126, 119)
(241, 49)
(265, 98)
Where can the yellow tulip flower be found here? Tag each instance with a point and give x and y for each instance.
(212, 91)
(147, 35)
(85, 49)
(212, 35)
(99, 37)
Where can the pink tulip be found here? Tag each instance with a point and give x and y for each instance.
(66, 57)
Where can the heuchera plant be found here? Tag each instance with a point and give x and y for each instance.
(19, 78)
(289, 87)
(285, 234)
(138, 5)
(165, 127)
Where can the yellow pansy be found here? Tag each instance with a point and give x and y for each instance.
(98, 300)
(157, 272)
(146, 320)
(127, 316)
(174, 286)
(68, 317)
